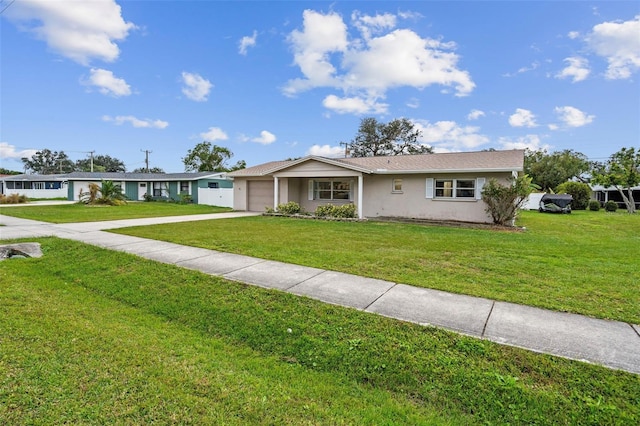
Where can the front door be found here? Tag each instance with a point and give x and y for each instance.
(142, 190)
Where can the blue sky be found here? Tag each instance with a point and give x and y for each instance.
(271, 80)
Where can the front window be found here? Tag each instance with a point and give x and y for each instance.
(213, 185)
(331, 190)
(184, 187)
(160, 189)
(38, 185)
(455, 188)
(397, 185)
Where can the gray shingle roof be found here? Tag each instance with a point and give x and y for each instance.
(487, 161)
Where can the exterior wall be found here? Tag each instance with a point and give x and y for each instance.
(222, 197)
(39, 193)
(302, 194)
(380, 200)
(316, 169)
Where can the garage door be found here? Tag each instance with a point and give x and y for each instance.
(260, 195)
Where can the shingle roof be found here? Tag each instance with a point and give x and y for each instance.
(117, 176)
(487, 161)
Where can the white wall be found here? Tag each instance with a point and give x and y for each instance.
(39, 193)
(222, 197)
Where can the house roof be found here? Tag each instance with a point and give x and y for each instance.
(147, 177)
(455, 162)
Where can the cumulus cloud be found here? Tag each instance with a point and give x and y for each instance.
(326, 151)
(450, 136)
(366, 68)
(246, 42)
(573, 117)
(107, 83)
(522, 118)
(532, 142)
(265, 138)
(79, 30)
(214, 134)
(619, 43)
(135, 122)
(10, 152)
(195, 87)
(354, 105)
(577, 69)
(475, 114)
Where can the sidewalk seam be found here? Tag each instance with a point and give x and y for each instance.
(378, 298)
(493, 303)
(634, 330)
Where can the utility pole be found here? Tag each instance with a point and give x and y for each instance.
(91, 153)
(146, 158)
(347, 148)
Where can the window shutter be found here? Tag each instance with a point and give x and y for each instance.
(310, 189)
(479, 186)
(429, 193)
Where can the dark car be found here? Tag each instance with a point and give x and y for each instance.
(556, 203)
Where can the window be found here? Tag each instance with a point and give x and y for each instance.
(330, 190)
(397, 186)
(184, 187)
(213, 185)
(160, 189)
(38, 185)
(455, 188)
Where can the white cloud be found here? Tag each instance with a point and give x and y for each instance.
(135, 122)
(326, 151)
(247, 42)
(534, 65)
(577, 69)
(196, 87)
(450, 136)
(531, 142)
(413, 103)
(9, 152)
(573, 117)
(522, 118)
(265, 138)
(107, 83)
(475, 114)
(366, 68)
(573, 35)
(353, 105)
(214, 134)
(619, 43)
(78, 30)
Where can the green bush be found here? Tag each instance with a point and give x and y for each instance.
(290, 208)
(342, 211)
(581, 193)
(594, 205)
(611, 206)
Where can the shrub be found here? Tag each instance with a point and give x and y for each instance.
(342, 211)
(290, 208)
(503, 201)
(581, 193)
(594, 205)
(611, 206)
(13, 199)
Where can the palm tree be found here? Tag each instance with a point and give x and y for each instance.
(110, 194)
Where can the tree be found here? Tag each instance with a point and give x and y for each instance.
(151, 170)
(205, 157)
(581, 193)
(397, 137)
(101, 163)
(108, 193)
(550, 170)
(47, 162)
(621, 171)
(4, 171)
(503, 202)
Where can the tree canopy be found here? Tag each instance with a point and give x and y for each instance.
(205, 157)
(151, 170)
(101, 163)
(621, 171)
(47, 162)
(550, 170)
(398, 137)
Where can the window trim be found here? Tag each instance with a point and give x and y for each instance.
(475, 192)
(314, 191)
(394, 186)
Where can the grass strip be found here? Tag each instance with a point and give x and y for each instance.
(74, 213)
(442, 375)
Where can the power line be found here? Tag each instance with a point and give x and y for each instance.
(7, 6)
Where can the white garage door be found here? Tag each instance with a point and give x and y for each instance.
(260, 195)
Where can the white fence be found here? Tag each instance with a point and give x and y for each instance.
(39, 193)
(222, 197)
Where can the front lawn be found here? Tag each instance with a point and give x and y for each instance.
(72, 213)
(110, 338)
(585, 263)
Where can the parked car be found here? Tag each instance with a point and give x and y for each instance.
(555, 203)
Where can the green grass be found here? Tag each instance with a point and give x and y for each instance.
(113, 338)
(72, 213)
(586, 262)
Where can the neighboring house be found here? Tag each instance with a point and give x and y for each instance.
(35, 186)
(203, 187)
(602, 194)
(430, 186)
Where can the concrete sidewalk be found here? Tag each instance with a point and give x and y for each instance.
(609, 343)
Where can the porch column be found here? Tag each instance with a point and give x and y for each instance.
(360, 186)
(276, 192)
